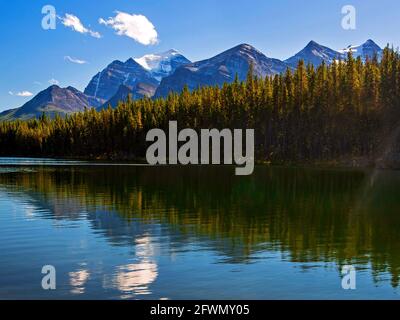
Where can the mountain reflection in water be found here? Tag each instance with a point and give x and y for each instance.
(135, 227)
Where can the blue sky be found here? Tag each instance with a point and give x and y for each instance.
(31, 58)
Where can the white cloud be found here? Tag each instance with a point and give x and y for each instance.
(75, 24)
(21, 93)
(24, 94)
(54, 82)
(74, 60)
(134, 26)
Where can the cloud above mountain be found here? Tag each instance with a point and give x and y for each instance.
(54, 82)
(134, 26)
(21, 94)
(74, 60)
(73, 22)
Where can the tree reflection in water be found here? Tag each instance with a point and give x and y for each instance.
(314, 215)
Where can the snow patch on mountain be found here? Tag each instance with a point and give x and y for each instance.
(153, 61)
(162, 64)
(368, 49)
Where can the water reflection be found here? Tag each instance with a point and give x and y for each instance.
(134, 279)
(78, 280)
(308, 216)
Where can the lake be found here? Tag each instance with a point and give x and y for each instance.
(139, 232)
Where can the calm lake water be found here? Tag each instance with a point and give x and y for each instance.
(137, 232)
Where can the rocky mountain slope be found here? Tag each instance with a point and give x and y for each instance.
(220, 69)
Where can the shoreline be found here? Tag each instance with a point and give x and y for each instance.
(355, 163)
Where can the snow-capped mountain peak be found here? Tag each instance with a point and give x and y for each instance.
(367, 49)
(152, 61)
(162, 64)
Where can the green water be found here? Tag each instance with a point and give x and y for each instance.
(137, 232)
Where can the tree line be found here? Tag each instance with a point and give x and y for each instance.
(325, 113)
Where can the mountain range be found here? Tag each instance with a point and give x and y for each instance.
(54, 100)
(220, 69)
(156, 75)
